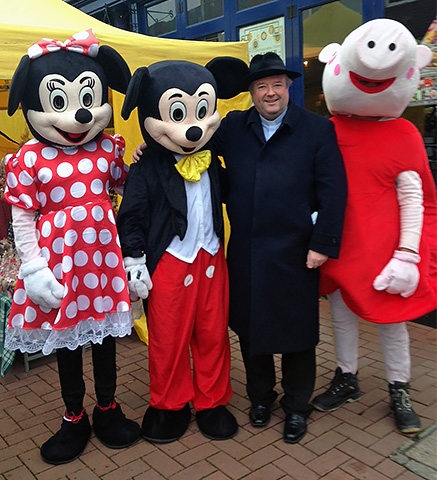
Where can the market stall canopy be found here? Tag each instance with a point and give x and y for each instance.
(23, 22)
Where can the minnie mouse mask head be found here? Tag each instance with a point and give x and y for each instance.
(177, 100)
(63, 88)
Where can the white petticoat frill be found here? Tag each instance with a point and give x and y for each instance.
(117, 324)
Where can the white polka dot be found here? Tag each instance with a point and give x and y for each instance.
(11, 180)
(58, 317)
(70, 150)
(102, 164)
(78, 214)
(107, 145)
(98, 258)
(78, 190)
(105, 237)
(108, 304)
(118, 284)
(80, 258)
(19, 296)
(67, 263)
(93, 50)
(123, 307)
(26, 199)
(34, 51)
(57, 194)
(97, 213)
(74, 283)
(85, 166)
(42, 198)
(71, 310)
(210, 271)
(103, 280)
(57, 271)
(65, 170)
(89, 235)
(116, 173)
(188, 280)
(30, 315)
(111, 216)
(49, 153)
(60, 219)
(98, 304)
(70, 238)
(46, 229)
(46, 326)
(30, 159)
(58, 245)
(111, 260)
(97, 186)
(45, 175)
(83, 302)
(91, 280)
(25, 179)
(90, 146)
(17, 321)
(45, 252)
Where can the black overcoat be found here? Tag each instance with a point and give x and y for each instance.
(274, 187)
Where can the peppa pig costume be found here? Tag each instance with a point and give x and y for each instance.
(386, 271)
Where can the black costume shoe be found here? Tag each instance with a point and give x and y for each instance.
(259, 415)
(344, 388)
(112, 428)
(295, 427)
(217, 423)
(165, 426)
(69, 441)
(406, 418)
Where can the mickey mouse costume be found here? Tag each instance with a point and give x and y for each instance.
(171, 227)
(72, 287)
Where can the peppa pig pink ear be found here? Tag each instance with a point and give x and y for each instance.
(329, 52)
(424, 56)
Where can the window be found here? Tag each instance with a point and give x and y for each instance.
(161, 18)
(243, 4)
(201, 10)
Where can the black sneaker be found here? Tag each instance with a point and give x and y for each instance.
(406, 418)
(344, 388)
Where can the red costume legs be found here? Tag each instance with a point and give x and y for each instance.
(188, 311)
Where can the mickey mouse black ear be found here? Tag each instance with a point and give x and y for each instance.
(229, 73)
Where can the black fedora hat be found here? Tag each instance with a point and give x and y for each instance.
(268, 65)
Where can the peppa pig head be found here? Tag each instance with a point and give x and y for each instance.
(375, 72)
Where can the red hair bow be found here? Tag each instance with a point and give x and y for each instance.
(83, 42)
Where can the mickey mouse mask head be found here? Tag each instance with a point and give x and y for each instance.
(177, 100)
(63, 88)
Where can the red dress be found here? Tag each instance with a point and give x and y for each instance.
(375, 153)
(68, 188)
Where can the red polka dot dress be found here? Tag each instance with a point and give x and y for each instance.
(68, 188)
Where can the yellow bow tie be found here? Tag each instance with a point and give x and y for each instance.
(191, 166)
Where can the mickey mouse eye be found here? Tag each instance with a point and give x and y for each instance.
(86, 97)
(371, 44)
(58, 100)
(202, 109)
(178, 112)
(392, 46)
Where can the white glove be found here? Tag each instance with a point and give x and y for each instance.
(138, 278)
(40, 284)
(400, 275)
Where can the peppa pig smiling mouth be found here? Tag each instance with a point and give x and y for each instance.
(368, 85)
(72, 137)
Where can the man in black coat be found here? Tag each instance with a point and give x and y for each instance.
(286, 201)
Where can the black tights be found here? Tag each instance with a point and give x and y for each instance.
(71, 374)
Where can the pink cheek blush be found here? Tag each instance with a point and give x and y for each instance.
(337, 69)
(410, 73)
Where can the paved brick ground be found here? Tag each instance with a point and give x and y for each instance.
(352, 443)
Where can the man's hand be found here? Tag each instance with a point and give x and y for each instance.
(138, 277)
(315, 260)
(138, 152)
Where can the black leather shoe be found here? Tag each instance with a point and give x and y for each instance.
(259, 415)
(295, 428)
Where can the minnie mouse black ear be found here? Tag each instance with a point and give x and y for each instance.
(18, 85)
(229, 73)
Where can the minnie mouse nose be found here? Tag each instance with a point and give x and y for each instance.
(194, 134)
(83, 116)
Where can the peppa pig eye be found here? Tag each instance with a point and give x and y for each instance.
(371, 44)
(392, 46)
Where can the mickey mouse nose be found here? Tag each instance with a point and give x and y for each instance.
(83, 115)
(193, 134)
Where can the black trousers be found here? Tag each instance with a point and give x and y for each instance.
(70, 369)
(298, 379)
